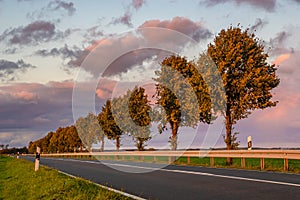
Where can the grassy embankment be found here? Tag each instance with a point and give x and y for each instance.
(18, 180)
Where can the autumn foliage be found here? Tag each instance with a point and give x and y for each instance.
(184, 91)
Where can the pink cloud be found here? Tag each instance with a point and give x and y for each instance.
(196, 30)
(64, 84)
(25, 95)
(280, 59)
(137, 4)
(105, 88)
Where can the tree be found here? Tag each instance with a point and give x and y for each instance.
(183, 94)
(248, 78)
(133, 111)
(31, 147)
(108, 124)
(139, 110)
(72, 139)
(89, 130)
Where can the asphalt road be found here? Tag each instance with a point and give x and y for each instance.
(182, 182)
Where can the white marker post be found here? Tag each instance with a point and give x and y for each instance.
(37, 158)
(249, 142)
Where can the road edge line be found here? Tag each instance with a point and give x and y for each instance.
(107, 188)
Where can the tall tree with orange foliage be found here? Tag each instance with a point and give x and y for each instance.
(247, 76)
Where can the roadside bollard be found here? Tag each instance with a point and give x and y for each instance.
(37, 158)
(249, 142)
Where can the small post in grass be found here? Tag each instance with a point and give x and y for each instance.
(37, 159)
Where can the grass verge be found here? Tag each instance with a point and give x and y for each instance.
(250, 163)
(18, 180)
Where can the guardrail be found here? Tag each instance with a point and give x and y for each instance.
(242, 154)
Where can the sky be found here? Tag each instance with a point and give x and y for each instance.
(46, 48)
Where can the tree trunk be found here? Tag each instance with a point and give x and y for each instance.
(118, 143)
(228, 133)
(174, 127)
(140, 144)
(173, 140)
(102, 144)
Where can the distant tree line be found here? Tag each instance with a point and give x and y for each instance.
(5, 150)
(64, 139)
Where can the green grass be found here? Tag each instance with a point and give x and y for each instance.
(18, 180)
(250, 163)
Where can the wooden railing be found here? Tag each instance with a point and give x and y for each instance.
(243, 154)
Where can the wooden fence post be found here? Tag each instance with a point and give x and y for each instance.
(262, 163)
(212, 161)
(188, 160)
(285, 164)
(243, 163)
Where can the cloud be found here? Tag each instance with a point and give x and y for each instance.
(137, 4)
(58, 5)
(22, 105)
(196, 30)
(268, 5)
(105, 88)
(280, 59)
(124, 19)
(9, 70)
(280, 37)
(277, 44)
(93, 33)
(25, 95)
(10, 51)
(259, 24)
(155, 32)
(33, 33)
(289, 64)
(18, 137)
(74, 55)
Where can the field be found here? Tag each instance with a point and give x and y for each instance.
(18, 180)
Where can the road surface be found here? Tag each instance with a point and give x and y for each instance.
(181, 182)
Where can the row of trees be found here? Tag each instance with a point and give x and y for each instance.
(131, 109)
(64, 139)
(184, 92)
(93, 129)
(4, 146)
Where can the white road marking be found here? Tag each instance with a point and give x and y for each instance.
(192, 172)
(108, 188)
